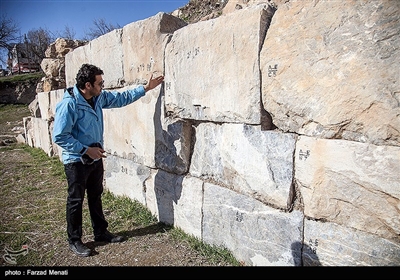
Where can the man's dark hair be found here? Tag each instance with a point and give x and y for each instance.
(87, 73)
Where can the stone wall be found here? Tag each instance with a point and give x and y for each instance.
(276, 133)
(53, 65)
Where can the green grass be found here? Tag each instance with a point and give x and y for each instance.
(22, 77)
(126, 211)
(52, 163)
(12, 113)
(213, 253)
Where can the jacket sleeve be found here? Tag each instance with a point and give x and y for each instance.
(115, 99)
(64, 120)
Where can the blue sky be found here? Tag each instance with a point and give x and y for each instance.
(78, 15)
(54, 15)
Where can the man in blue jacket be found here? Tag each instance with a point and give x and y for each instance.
(78, 130)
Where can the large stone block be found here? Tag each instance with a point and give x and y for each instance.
(353, 184)
(55, 97)
(74, 61)
(255, 233)
(47, 102)
(129, 132)
(176, 200)
(43, 99)
(126, 178)
(331, 70)
(143, 44)
(37, 134)
(140, 132)
(212, 68)
(104, 52)
(330, 244)
(244, 158)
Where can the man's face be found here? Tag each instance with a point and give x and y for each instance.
(97, 87)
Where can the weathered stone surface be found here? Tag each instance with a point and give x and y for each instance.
(75, 59)
(104, 52)
(48, 84)
(52, 66)
(331, 70)
(21, 138)
(140, 132)
(129, 131)
(188, 207)
(244, 158)
(37, 134)
(55, 97)
(161, 194)
(176, 200)
(47, 102)
(235, 5)
(329, 244)
(61, 46)
(216, 78)
(349, 183)
(126, 178)
(34, 108)
(173, 140)
(28, 131)
(142, 58)
(43, 100)
(255, 233)
(44, 107)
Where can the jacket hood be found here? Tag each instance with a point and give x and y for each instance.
(74, 93)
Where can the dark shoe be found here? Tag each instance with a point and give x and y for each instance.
(108, 237)
(78, 248)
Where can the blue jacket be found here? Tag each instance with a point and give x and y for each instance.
(77, 125)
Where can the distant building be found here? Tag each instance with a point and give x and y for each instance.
(20, 60)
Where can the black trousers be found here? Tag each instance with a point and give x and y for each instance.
(83, 178)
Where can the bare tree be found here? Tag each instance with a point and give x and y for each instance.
(68, 33)
(38, 41)
(101, 27)
(9, 35)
